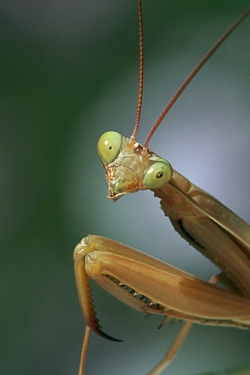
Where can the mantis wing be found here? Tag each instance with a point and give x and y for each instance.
(210, 227)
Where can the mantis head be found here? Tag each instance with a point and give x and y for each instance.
(129, 166)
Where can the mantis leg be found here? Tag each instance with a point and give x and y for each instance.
(84, 351)
(173, 350)
(152, 287)
(176, 345)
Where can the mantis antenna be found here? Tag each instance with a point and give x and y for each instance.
(140, 89)
(187, 80)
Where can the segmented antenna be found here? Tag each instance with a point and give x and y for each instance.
(140, 89)
(187, 80)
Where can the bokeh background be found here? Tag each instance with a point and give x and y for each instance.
(68, 73)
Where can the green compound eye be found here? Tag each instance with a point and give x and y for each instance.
(108, 146)
(158, 174)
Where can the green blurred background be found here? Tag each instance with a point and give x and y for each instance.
(68, 73)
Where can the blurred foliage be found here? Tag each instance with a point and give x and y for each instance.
(241, 371)
(57, 60)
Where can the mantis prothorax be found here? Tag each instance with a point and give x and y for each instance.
(145, 283)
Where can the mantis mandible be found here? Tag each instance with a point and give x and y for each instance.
(200, 219)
